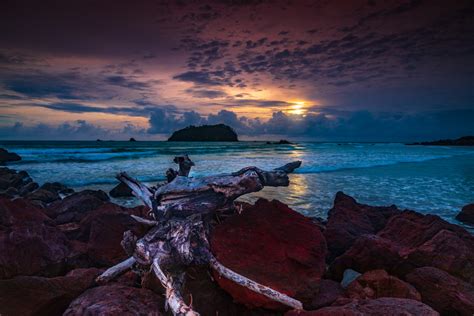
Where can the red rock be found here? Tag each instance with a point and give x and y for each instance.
(117, 299)
(408, 241)
(378, 283)
(273, 245)
(348, 220)
(445, 293)
(386, 306)
(33, 295)
(32, 248)
(103, 230)
(369, 252)
(467, 214)
(329, 292)
(19, 211)
(75, 207)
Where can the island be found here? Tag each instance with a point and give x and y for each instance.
(463, 141)
(205, 133)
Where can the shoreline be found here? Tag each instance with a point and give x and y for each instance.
(359, 258)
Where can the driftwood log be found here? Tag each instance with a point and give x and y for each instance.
(178, 237)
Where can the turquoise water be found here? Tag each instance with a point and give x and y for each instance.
(428, 179)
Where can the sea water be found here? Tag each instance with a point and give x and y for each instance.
(428, 179)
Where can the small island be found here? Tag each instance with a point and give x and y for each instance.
(463, 141)
(205, 133)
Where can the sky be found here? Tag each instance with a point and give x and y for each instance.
(305, 70)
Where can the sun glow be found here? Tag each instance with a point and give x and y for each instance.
(297, 108)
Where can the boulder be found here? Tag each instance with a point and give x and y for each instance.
(20, 211)
(103, 230)
(273, 245)
(33, 295)
(348, 220)
(329, 292)
(387, 306)
(6, 156)
(75, 207)
(57, 188)
(28, 188)
(467, 214)
(44, 196)
(116, 299)
(445, 293)
(10, 178)
(378, 283)
(121, 190)
(408, 241)
(32, 249)
(207, 297)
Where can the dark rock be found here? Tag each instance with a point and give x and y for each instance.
(348, 220)
(467, 214)
(273, 245)
(75, 207)
(20, 211)
(103, 230)
(43, 195)
(387, 306)
(463, 141)
(28, 188)
(207, 297)
(280, 142)
(121, 190)
(117, 299)
(205, 133)
(32, 249)
(132, 139)
(10, 178)
(6, 156)
(329, 292)
(33, 295)
(378, 283)
(442, 291)
(408, 241)
(57, 187)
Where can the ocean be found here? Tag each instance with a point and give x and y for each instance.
(428, 179)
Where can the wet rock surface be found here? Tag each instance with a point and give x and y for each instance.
(273, 245)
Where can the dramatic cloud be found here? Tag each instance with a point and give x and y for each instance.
(308, 69)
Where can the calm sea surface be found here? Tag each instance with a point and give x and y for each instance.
(437, 180)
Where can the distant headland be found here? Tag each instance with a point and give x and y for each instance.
(463, 141)
(205, 133)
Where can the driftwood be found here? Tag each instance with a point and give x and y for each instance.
(182, 211)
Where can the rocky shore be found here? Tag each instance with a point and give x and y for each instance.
(362, 260)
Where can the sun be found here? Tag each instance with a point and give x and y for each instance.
(297, 108)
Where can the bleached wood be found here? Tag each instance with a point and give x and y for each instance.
(144, 221)
(116, 270)
(173, 291)
(254, 286)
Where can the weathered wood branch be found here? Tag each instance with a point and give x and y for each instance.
(178, 238)
(254, 286)
(173, 286)
(113, 272)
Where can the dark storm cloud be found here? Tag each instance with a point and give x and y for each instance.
(81, 108)
(325, 125)
(77, 130)
(197, 77)
(210, 94)
(42, 85)
(125, 82)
